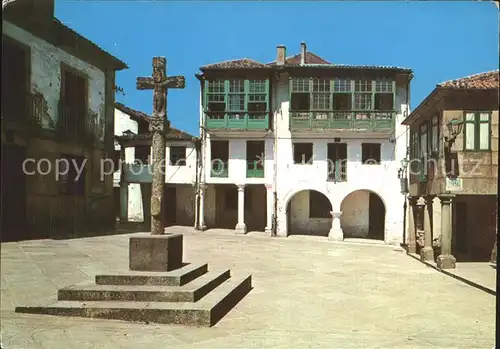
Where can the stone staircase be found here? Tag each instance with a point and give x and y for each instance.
(190, 295)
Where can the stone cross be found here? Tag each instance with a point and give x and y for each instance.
(158, 124)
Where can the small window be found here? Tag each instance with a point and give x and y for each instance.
(73, 106)
(342, 101)
(435, 134)
(477, 131)
(178, 155)
(142, 154)
(370, 153)
(319, 205)
(303, 153)
(16, 75)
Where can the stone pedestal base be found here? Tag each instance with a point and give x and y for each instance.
(268, 231)
(241, 228)
(446, 261)
(336, 235)
(427, 254)
(156, 252)
(202, 228)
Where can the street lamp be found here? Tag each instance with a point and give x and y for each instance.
(454, 128)
(402, 176)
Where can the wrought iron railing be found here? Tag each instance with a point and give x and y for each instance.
(337, 171)
(77, 124)
(29, 111)
(370, 120)
(220, 169)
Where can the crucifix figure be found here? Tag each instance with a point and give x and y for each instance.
(158, 125)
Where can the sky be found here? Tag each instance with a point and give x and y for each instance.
(439, 41)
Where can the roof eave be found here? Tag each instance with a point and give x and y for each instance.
(410, 119)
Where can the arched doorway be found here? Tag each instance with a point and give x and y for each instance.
(363, 215)
(308, 213)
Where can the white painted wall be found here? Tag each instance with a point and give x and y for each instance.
(237, 163)
(123, 122)
(380, 179)
(137, 173)
(46, 62)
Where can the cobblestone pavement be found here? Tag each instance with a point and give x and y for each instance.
(308, 293)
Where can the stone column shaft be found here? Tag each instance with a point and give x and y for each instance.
(201, 212)
(412, 230)
(427, 253)
(241, 227)
(270, 209)
(446, 260)
(336, 232)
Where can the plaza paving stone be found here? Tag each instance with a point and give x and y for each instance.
(308, 293)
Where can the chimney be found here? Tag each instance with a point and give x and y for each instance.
(280, 54)
(303, 50)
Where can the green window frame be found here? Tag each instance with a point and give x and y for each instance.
(477, 131)
(423, 147)
(434, 136)
(326, 94)
(236, 96)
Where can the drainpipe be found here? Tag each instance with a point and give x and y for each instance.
(196, 183)
(274, 228)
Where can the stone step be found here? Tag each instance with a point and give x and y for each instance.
(191, 292)
(206, 312)
(177, 277)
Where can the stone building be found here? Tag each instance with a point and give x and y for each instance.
(134, 175)
(58, 91)
(453, 171)
(303, 146)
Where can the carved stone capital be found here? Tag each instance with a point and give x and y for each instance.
(241, 187)
(336, 214)
(156, 125)
(269, 186)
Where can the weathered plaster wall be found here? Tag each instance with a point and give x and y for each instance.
(46, 62)
(184, 205)
(300, 223)
(356, 214)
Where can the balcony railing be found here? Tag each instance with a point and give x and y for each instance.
(28, 111)
(220, 169)
(242, 121)
(77, 124)
(369, 120)
(337, 172)
(255, 169)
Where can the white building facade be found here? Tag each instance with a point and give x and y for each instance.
(134, 170)
(326, 139)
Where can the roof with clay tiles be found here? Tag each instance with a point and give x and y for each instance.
(244, 63)
(485, 81)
